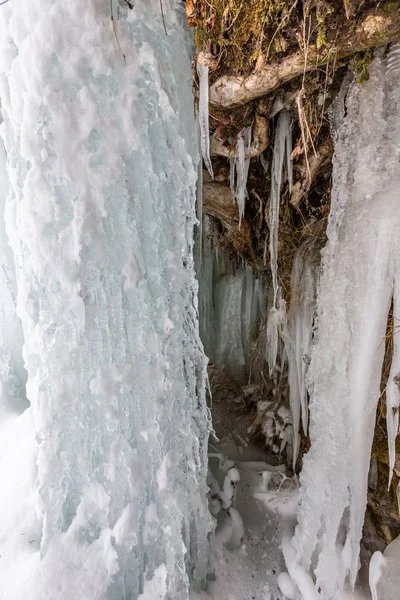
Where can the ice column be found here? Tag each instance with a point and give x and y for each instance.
(360, 265)
(102, 161)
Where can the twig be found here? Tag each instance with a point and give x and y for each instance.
(4, 2)
(163, 18)
(114, 30)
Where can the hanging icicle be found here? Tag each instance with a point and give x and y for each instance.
(298, 334)
(393, 385)
(242, 165)
(282, 148)
(202, 72)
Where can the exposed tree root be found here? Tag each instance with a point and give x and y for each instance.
(377, 28)
(309, 172)
(220, 146)
(218, 204)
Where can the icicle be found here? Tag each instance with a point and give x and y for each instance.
(242, 169)
(232, 166)
(289, 163)
(393, 385)
(298, 337)
(282, 142)
(398, 497)
(282, 136)
(276, 319)
(199, 210)
(264, 162)
(202, 72)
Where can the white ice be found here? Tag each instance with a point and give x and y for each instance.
(242, 165)
(202, 72)
(384, 575)
(282, 150)
(359, 268)
(230, 309)
(297, 334)
(106, 472)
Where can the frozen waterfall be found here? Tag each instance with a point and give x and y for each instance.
(360, 274)
(102, 154)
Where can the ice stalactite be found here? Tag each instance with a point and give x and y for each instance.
(242, 169)
(282, 151)
(360, 264)
(297, 334)
(202, 71)
(102, 161)
(393, 384)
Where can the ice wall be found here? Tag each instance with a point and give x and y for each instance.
(360, 266)
(102, 158)
(12, 372)
(231, 305)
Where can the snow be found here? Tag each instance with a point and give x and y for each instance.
(247, 559)
(102, 163)
(202, 71)
(359, 268)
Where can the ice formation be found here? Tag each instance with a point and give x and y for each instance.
(297, 334)
(231, 304)
(202, 71)
(12, 372)
(282, 150)
(384, 576)
(101, 160)
(360, 271)
(242, 169)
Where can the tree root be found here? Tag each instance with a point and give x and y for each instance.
(309, 172)
(378, 27)
(220, 146)
(218, 204)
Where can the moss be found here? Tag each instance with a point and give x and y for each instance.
(360, 64)
(238, 31)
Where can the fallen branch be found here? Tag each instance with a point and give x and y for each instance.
(377, 28)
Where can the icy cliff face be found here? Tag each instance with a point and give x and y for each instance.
(102, 159)
(360, 274)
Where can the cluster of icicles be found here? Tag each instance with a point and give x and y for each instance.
(288, 334)
(239, 166)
